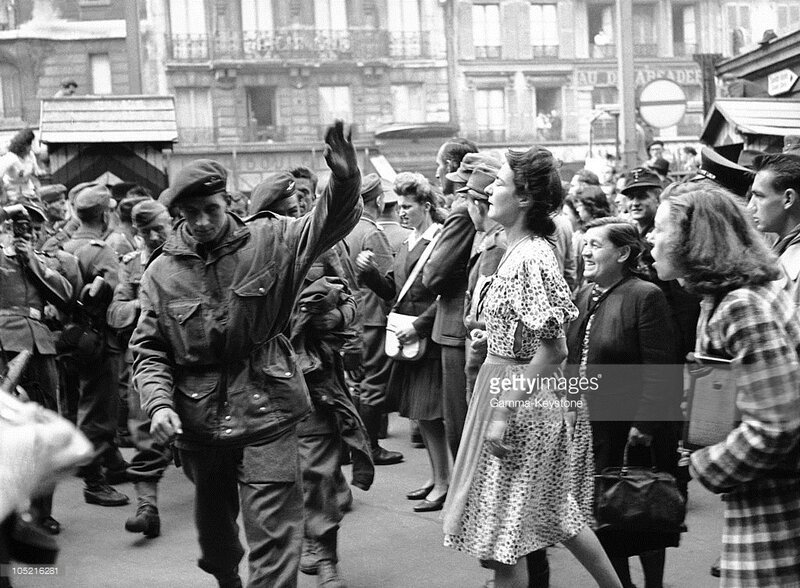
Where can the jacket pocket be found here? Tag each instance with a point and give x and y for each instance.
(283, 382)
(196, 402)
(187, 330)
(254, 306)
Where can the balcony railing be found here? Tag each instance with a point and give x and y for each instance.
(645, 50)
(196, 135)
(266, 134)
(544, 50)
(488, 52)
(684, 49)
(603, 51)
(490, 135)
(354, 44)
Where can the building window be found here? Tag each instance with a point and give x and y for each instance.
(408, 102)
(100, 67)
(544, 30)
(10, 92)
(188, 35)
(601, 30)
(548, 114)
(194, 115)
(788, 17)
(261, 113)
(257, 16)
(490, 114)
(330, 15)
(334, 102)
(684, 29)
(739, 25)
(645, 36)
(404, 29)
(486, 31)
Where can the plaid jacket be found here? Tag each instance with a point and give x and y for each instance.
(759, 328)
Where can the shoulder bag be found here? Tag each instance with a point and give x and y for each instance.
(396, 321)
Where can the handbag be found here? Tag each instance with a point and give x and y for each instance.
(395, 320)
(711, 411)
(638, 499)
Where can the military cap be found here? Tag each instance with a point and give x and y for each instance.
(480, 179)
(202, 177)
(120, 191)
(126, 206)
(654, 142)
(371, 187)
(389, 195)
(660, 165)
(274, 188)
(469, 163)
(52, 192)
(724, 172)
(35, 213)
(146, 211)
(165, 197)
(67, 82)
(640, 177)
(91, 195)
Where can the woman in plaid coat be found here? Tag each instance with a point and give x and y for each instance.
(704, 237)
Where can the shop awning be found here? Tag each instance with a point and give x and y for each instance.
(731, 118)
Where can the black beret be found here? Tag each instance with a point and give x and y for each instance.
(724, 172)
(202, 177)
(274, 188)
(371, 187)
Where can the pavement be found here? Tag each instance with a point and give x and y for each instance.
(382, 542)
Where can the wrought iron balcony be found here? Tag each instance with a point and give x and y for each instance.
(490, 135)
(544, 50)
(684, 49)
(196, 135)
(488, 52)
(645, 50)
(266, 134)
(351, 44)
(603, 51)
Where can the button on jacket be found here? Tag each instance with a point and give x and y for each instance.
(209, 341)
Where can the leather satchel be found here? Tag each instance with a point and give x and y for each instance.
(395, 320)
(638, 499)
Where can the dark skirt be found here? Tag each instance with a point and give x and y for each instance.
(415, 387)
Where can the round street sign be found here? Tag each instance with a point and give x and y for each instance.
(662, 103)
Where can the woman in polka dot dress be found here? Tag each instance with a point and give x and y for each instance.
(510, 494)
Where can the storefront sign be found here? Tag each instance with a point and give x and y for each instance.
(780, 82)
(609, 77)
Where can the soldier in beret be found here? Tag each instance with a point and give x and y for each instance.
(214, 370)
(276, 193)
(153, 225)
(99, 374)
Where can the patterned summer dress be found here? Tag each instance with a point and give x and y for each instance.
(503, 509)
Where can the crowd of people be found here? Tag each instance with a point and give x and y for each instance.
(259, 343)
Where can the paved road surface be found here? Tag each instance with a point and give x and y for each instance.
(383, 543)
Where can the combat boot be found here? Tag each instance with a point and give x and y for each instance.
(309, 557)
(145, 521)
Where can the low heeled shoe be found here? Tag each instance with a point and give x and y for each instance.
(419, 493)
(431, 505)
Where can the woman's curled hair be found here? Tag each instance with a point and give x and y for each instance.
(623, 233)
(536, 177)
(418, 188)
(21, 143)
(716, 246)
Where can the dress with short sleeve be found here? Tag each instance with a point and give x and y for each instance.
(501, 509)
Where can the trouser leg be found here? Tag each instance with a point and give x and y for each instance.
(454, 384)
(123, 391)
(319, 463)
(272, 507)
(213, 471)
(98, 403)
(150, 459)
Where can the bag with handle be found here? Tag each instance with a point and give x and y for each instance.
(638, 499)
(395, 320)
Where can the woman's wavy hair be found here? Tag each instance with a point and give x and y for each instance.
(21, 143)
(594, 201)
(536, 176)
(419, 189)
(623, 233)
(715, 245)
